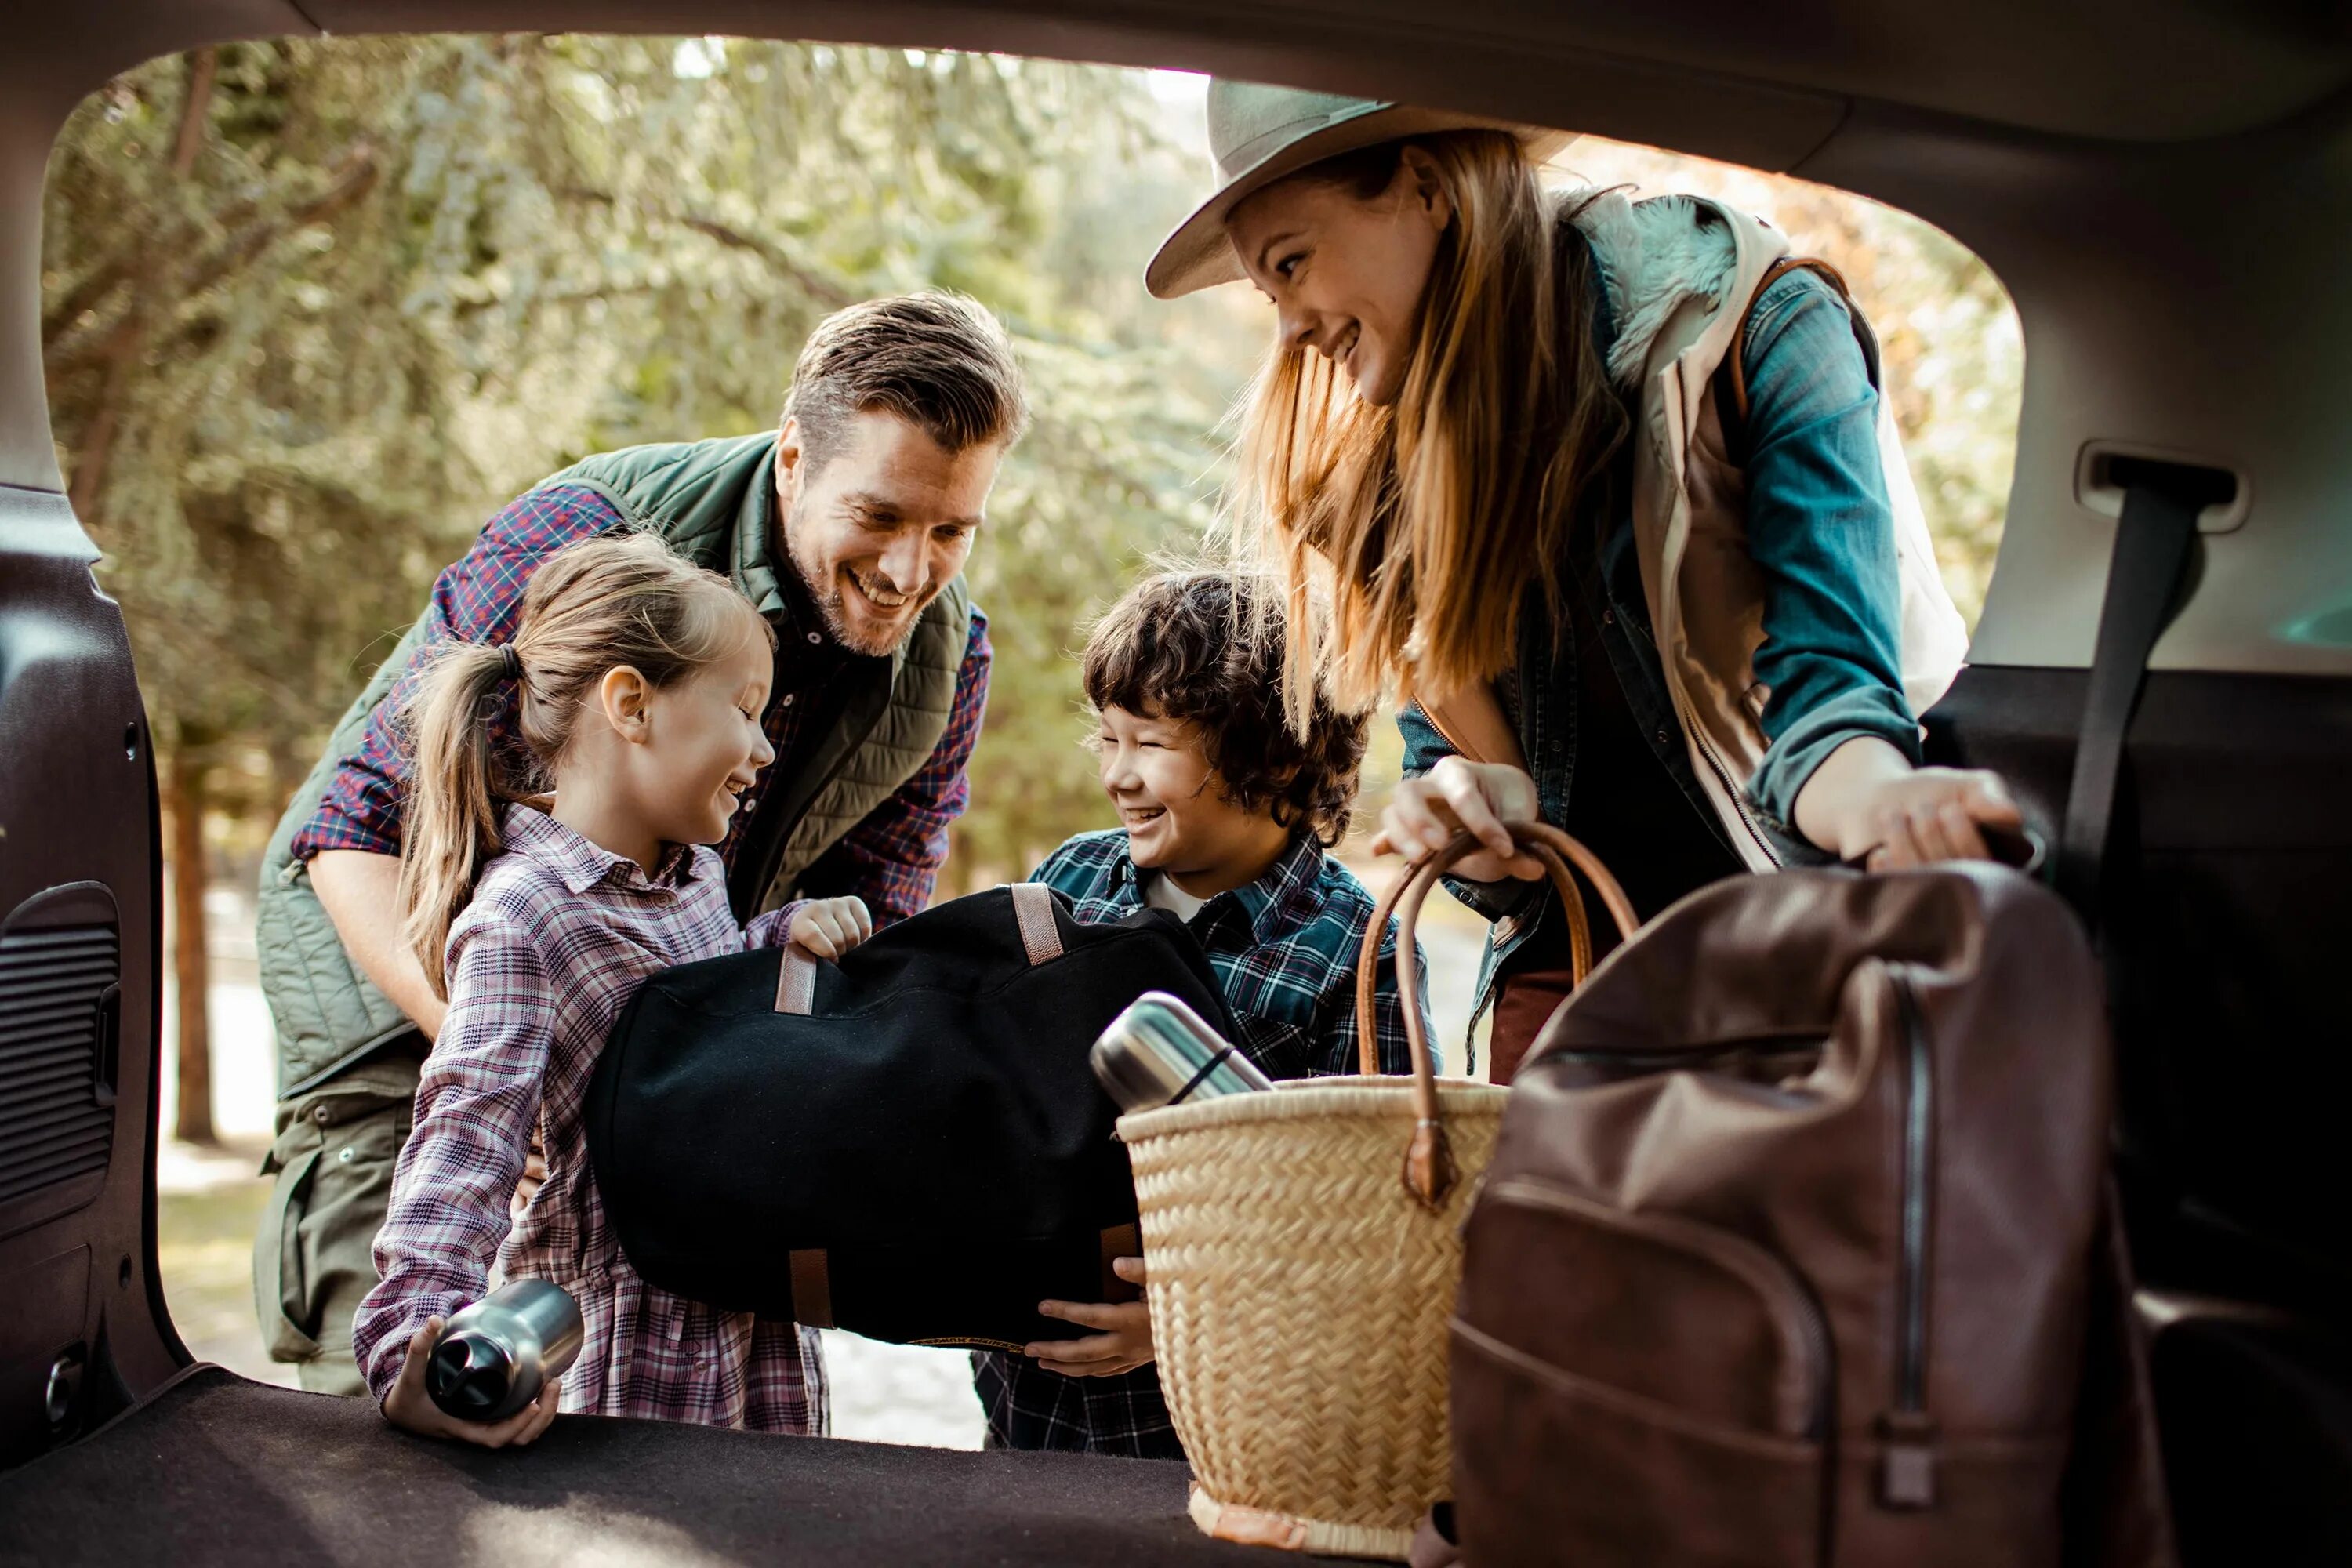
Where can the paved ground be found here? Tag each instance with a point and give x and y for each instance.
(211, 1198)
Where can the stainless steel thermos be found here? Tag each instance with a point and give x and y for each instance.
(1160, 1052)
(495, 1356)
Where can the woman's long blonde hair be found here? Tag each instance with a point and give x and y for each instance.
(616, 600)
(1408, 536)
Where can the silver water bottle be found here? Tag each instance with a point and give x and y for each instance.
(1160, 1052)
(495, 1356)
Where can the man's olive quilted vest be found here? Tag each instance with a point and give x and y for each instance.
(714, 501)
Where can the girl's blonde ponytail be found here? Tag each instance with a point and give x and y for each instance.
(452, 816)
(593, 606)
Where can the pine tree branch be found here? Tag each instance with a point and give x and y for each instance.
(831, 292)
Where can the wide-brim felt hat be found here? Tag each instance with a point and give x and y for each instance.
(1259, 134)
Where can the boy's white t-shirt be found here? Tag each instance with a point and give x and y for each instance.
(1161, 893)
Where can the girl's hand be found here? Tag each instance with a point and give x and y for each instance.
(831, 927)
(1124, 1344)
(409, 1407)
(1426, 813)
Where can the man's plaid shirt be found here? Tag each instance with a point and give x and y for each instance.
(891, 859)
(1284, 949)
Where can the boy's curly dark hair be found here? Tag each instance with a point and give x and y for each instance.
(1180, 645)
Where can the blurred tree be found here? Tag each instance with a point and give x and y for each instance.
(313, 307)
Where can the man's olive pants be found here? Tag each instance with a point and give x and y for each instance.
(314, 1259)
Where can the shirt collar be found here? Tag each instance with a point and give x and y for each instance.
(580, 863)
(1271, 904)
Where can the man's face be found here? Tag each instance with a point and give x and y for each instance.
(882, 523)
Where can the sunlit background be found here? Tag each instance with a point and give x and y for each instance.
(314, 309)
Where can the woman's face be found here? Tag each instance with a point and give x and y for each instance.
(1345, 273)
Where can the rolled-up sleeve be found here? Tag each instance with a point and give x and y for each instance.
(478, 598)
(1821, 526)
(476, 1102)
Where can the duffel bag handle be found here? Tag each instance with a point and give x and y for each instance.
(1033, 913)
(1428, 1162)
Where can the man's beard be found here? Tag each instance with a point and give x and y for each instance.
(823, 586)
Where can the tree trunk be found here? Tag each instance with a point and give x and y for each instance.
(185, 786)
(123, 351)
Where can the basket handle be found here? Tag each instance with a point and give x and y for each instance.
(1428, 1162)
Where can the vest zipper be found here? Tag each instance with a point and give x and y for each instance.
(1906, 1454)
(1736, 796)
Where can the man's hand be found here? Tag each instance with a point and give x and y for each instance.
(831, 927)
(360, 890)
(1124, 1344)
(411, 1408)
(1426, 813)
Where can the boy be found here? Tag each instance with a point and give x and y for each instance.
(1226, 817)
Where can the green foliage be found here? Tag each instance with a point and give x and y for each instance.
(317, 308)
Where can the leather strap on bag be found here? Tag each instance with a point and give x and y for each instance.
(2155, 539)
(1033, 910)
(812, 1275)
(1428, 1172)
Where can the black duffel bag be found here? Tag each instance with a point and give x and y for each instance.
(909, 1143)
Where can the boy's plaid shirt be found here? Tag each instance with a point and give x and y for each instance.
(1284, 949)
(891, 859)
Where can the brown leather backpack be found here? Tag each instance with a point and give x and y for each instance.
(1794, 1249)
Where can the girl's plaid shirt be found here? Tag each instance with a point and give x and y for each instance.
(558, 934)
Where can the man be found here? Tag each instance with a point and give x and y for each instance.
(848, 528)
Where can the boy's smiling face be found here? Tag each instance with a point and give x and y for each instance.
(1174, 808)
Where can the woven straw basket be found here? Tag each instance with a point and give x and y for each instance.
(1300, 1283)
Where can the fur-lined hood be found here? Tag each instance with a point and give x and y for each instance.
(1653, 257)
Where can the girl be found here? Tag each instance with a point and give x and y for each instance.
(1599, 487)
(643, 678)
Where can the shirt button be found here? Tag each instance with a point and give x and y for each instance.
(813, 638)
(319, 1115)
(1609, 617)
(345, 1156)
(1662, 735)
(785, 701)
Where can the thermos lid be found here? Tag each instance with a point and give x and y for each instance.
(468, 1376)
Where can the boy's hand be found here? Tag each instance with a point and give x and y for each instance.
(409, 1407)
(831, 927)
(1124, 1344)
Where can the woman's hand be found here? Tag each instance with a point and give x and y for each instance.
(831, 927)
(409, 1407)
(1868, 805)
(1426, 813)
(1124, 1344)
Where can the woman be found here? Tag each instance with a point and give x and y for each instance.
(1598, 488)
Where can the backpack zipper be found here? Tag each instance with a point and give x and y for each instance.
(1906, 1454)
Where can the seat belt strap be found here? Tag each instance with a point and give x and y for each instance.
(2154, 544)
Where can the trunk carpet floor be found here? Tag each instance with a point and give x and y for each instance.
(217, 1470)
